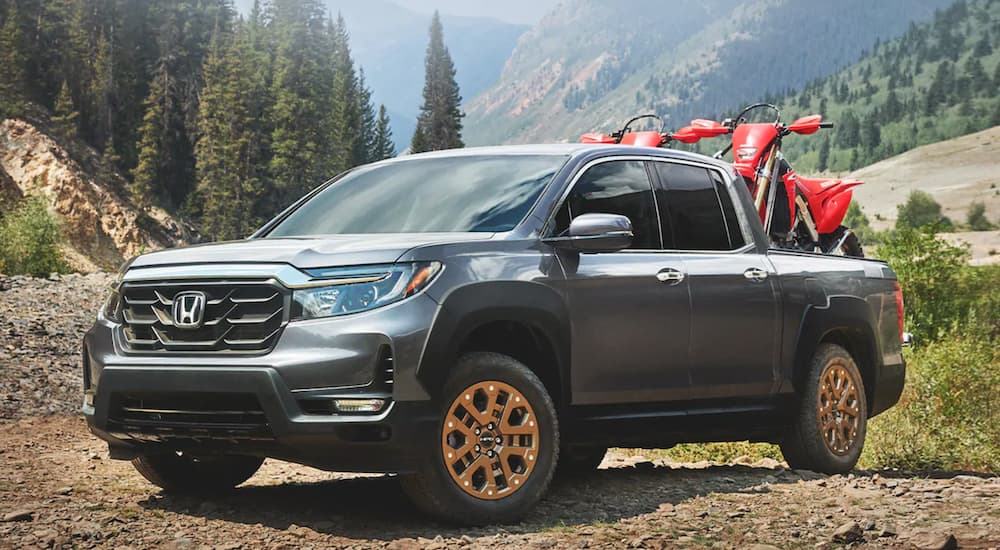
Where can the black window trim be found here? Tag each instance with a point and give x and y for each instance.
(549, 224)
(734, 201)
(748, 240)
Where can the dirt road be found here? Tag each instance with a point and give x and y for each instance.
(59, 489)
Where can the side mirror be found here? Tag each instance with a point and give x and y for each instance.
(596, 233)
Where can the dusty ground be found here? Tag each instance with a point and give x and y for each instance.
(58, 487)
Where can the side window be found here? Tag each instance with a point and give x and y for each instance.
(736, 239)
(616, 187)
(691, 200)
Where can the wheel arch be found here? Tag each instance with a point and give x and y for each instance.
(525, 320)
(847, 322)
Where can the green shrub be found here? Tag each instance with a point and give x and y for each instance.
(940, 289)
(919, 210)
(949, 414)
(29, 240)
(976, 219)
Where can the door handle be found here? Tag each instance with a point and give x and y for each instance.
(670, 276)
(755, 274)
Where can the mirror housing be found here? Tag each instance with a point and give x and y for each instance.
(596, 233)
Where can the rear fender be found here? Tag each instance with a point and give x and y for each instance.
(847, 315)
(832, 211)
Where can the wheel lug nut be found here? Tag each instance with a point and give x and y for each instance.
(498, 440)
(478, 431)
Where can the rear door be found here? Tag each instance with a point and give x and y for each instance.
(734, 300)
(629, 310)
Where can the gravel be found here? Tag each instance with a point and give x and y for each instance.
(42, 322)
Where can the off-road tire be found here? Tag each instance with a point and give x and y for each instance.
(850, 247)
(433, 489)
(579, 460)
(804, 445)
(185, 474)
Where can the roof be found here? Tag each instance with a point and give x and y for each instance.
(570, 149)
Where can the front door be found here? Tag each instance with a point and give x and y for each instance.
(629, 310)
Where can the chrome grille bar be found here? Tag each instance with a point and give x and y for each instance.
(239, 316)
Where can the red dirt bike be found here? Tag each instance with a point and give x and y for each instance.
(802, 213)
(625, 136)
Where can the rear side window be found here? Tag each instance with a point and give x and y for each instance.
(694, 209)
(616, 187)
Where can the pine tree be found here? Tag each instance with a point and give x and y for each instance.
(824, 155)
(65, 115)
(366, 149)
(305, 137)
(228, 157)
(383, 147)
(13, 81)
(146, 176)
(439, 125)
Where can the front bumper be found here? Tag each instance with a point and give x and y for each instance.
(312, 363)
(386, 442)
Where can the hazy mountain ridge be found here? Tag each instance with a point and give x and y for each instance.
(691, 59)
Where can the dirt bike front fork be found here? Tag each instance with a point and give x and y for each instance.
(803, 214)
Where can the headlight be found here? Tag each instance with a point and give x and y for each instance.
(343, 290)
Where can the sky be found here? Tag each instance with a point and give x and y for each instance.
(526, 12)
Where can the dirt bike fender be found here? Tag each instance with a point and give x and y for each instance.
(833, 211)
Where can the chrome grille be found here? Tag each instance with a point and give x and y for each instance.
(239, 316)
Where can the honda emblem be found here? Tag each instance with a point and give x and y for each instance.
(189, 309)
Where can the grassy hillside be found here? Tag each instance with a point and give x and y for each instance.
(955, 172)
(590, 64)
(941, 79)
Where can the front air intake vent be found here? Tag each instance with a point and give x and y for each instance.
(385, 369)
(227, 316)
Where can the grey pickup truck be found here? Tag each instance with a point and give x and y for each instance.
(480, 320)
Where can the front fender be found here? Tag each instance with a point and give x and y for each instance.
(472, 306)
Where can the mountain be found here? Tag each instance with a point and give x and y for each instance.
(389, 42)
(939, 80)
(101, 224)
(590, 64)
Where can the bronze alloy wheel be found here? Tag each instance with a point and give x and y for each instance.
(838, 408)
(489, 440)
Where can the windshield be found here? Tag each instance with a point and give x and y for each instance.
(428, 195)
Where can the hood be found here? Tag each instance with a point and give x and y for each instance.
(305, 253)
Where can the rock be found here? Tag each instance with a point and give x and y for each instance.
(735, 515)
(768, 463)
(645, 466)
(886, 532)
(868, 525)
(18, 515)
(64, 490)
(848, 533)
(934, 541)
(102, 225)
(966, 479)
(762, 547)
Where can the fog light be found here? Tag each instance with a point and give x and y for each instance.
(358, 405)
